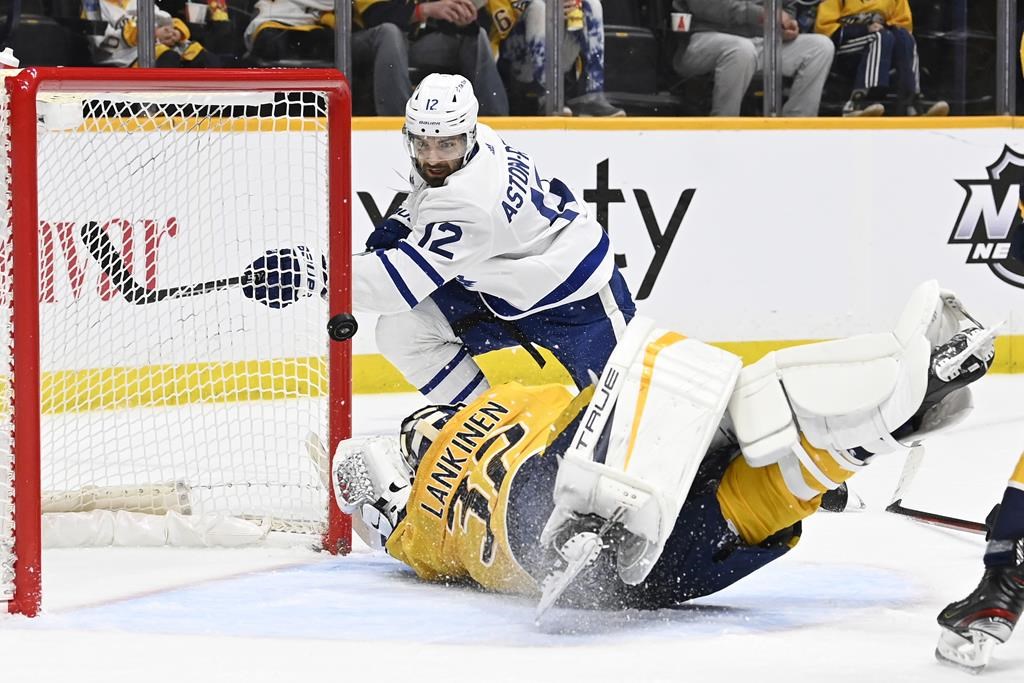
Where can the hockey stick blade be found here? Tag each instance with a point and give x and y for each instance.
(103, 251)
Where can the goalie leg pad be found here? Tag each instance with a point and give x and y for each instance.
(844, 394)
(640, 441)
(841, 394)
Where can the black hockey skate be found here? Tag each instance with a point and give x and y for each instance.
(972, 627)
(964, 359)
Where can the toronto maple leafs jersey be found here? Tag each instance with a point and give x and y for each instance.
(524, 242)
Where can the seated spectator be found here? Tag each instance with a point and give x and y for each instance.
(726, 39)
(292, 29)
(384, 51)
(443, 36)
(518, 32)
(880, 32)
(115, 43)
(213, 27)
(304, 30)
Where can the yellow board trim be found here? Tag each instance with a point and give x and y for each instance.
(646, 374)
(373, 374)
(287, 378)
(187, 124)
(649, 123)
(622, 125)
(158, 386)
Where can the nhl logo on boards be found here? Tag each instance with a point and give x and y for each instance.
(990, 218)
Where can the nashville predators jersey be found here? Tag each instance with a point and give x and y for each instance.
(456, 524)
(504, 15)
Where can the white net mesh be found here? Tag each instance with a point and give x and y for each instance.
(183, 243)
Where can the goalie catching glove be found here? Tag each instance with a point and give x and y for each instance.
(372, 480)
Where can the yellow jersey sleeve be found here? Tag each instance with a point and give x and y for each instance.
(456, 519)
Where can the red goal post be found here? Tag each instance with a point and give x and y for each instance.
(196, 356)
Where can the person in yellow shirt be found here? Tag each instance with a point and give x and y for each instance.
(881, 33)
(495, 493)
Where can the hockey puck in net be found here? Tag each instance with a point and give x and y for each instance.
(342, 327)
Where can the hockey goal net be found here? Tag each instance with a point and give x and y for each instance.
(171, 246)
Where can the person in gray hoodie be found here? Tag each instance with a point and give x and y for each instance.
(726, 39)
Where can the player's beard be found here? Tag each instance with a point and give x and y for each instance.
(436, 173)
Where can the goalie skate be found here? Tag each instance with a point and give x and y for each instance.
(578, 552)
(969, 352)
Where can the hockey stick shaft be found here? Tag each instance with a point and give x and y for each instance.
(936, 519)
(910, 467)
(103, 251)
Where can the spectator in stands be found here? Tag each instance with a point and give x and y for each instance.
(806, 11)
(726, 39)
(215, 29)
(385, 47)
(115, 40)
(517, 31)
(292, 30)
(304, 30)
(880, 33)
(444, 36)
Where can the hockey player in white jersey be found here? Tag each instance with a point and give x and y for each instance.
(485, 253)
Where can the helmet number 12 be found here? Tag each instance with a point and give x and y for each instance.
(431, 105)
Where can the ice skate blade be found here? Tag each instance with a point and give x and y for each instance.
(971, 654)
(585, 549)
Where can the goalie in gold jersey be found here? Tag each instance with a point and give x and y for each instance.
(673, 476)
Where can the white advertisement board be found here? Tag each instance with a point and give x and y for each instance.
(759, 233)
(755, 235)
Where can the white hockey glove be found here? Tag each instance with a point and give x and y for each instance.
(371, 480)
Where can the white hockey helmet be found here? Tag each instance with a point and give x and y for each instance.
(442, 106)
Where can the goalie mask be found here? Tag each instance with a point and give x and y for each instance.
(440, 126)
(420, 430)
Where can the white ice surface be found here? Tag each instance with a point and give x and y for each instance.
(855, 601)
